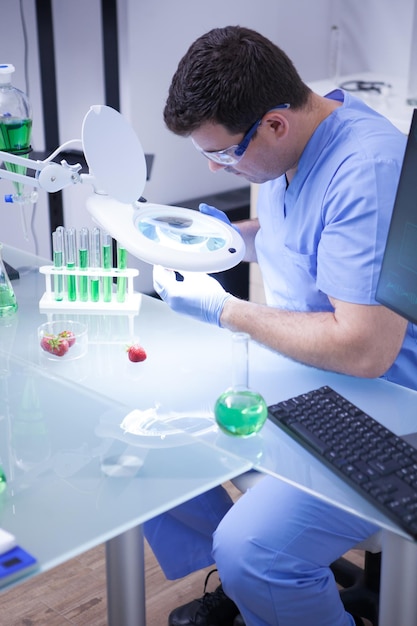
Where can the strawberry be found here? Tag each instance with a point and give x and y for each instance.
(69, 336)
(54, 345)
(136, 353)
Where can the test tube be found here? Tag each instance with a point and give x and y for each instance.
(95, 261)
(71, 248)
(122, 265)
(83, 253)
(58, 256)
(107, 250)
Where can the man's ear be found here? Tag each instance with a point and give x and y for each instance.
(276, 123)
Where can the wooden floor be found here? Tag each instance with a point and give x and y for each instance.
(75, 593)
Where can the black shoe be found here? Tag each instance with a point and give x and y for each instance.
(212, 609)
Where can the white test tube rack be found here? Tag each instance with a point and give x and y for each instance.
(48, 302)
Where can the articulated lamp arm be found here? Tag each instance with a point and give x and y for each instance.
(49, 175)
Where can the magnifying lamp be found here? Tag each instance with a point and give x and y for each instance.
(175, 237)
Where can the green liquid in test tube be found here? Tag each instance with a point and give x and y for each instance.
(107, 247)
(83, 254)
(121, 280)
(58, 254)
(95, 261)
(71, 256)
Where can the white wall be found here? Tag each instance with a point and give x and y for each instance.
(160, 32)
(376, 36)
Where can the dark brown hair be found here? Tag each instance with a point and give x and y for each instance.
(231, 76)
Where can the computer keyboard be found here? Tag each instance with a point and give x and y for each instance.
(381, 466)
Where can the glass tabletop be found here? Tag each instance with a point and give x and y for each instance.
(77, 475)
(188, 367)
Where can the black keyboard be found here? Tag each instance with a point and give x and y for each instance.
(381, 466)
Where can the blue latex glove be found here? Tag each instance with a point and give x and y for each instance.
(220, 215)
(191, 293)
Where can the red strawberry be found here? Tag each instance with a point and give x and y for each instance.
(69, 336)
(54, 345)
(136, 353)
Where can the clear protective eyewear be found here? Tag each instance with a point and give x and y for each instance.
(233, 154)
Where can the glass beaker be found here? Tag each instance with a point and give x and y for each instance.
(8, 303)
(240, 411)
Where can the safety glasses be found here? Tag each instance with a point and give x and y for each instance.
(233, 154)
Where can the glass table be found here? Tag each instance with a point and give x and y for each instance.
(188, 366)
(75, 476)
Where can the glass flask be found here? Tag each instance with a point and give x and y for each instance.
(3, 482)
(240, 411)
(8, 303)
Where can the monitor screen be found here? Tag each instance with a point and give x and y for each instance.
(397, 285)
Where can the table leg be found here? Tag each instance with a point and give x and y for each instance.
(125, 567)
(398, 597)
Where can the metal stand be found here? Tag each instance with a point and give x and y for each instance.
(125, 566)
(398, 598)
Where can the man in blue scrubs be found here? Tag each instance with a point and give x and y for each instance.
(328, 169)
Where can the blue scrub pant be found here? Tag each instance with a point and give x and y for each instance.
(272, 548)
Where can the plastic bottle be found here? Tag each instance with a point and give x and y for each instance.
(15, 121)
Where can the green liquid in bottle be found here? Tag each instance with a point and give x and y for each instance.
(240, 412)
(15, 138)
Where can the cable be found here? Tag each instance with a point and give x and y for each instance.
(27, 90)
(25, 47)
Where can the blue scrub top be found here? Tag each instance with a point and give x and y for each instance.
(325, 235)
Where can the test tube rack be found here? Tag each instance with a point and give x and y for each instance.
(48, 302)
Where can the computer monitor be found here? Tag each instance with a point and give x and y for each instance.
(397, 285)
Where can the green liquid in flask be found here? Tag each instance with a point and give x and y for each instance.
(8, 302)
(240, 413)
(3, 483)
(15, 138)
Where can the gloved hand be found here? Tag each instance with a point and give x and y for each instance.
(220, 215)
(197, 294)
